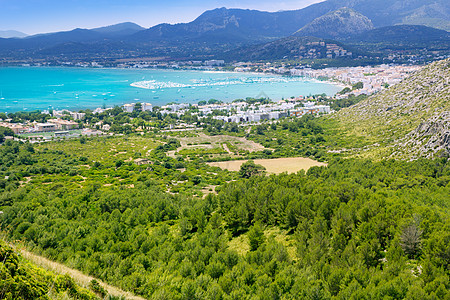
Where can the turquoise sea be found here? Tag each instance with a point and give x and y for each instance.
(32, 88)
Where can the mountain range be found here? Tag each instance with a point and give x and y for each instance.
(222, 30)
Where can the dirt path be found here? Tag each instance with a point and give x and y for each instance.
(225, 147)
(80, 278)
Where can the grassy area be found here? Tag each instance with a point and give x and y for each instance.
(241, 245)
(106, 149)
(49, 134)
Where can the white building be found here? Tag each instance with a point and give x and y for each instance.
(175, 107)
(214, 62)
(129, 107)
(254, 117)
(274, 115)
(325, 109)
(77, 115)
(45, 127)
(147, 107)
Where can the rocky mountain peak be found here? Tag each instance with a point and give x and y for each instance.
(338, 24)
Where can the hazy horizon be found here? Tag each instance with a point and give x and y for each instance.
(44, 16)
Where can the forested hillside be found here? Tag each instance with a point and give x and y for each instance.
(353, 229)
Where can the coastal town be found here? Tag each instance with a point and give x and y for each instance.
(355, 81)
(64, 123)
(374, 79)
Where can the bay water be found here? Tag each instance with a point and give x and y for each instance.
(41, 88)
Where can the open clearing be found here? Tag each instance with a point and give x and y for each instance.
(273, 166)
(241, 244)
(205, 141)
(106, 149)
(217, 145)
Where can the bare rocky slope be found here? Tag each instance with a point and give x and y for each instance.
(408, 120)
(339, 24)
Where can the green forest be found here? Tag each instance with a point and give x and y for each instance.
(356, 229)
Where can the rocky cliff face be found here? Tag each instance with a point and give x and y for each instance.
(429, 139)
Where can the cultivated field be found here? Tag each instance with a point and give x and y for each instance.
(216, 145)
(273, 166)
(206, 141)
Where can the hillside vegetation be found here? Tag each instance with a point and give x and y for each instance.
(293, 47)
(408, 120)
(21, 280)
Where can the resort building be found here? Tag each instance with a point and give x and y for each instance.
(16, 128)
(77, 115)
(147, 107)
(45, 127)
(65, 112)
(214, 62)
(63, 124)
(129, 107)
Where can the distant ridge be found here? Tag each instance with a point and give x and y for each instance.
(6, 34)
(121, 29)
(401, 37)
(403, 33)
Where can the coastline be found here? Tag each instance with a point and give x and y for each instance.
(111, 90)
(313, 79)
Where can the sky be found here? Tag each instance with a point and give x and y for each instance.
(41, 16)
